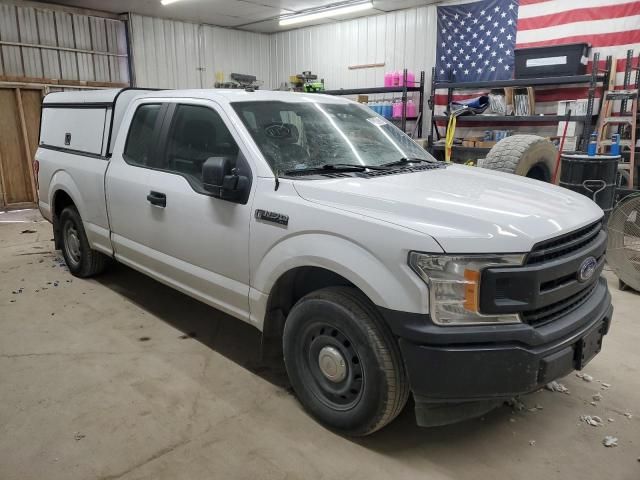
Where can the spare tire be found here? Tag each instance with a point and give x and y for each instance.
(527, 155)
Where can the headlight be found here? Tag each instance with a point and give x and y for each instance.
(454, 286)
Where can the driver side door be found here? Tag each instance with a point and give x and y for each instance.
(201, 243)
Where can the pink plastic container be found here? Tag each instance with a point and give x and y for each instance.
(388, 79)
(411, 109)
(411, 79)
(397, 109)
(396, 78)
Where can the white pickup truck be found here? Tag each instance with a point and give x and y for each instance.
(376, 269)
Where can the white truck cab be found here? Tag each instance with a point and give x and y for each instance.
(377, 270)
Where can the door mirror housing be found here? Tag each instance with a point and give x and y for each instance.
(220, 179)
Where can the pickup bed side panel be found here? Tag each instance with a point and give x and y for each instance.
(82, 178)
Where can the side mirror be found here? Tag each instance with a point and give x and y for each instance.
(221, 180)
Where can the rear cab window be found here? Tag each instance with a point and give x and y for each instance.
(139, 147)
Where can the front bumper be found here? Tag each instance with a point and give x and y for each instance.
(490, 363)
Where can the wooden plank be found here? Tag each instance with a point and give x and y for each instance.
(26, 144)
(32, 101)
(17, 186)
(3, 188)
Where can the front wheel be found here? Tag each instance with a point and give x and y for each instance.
(343, 362)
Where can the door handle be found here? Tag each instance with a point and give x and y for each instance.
(157, 198)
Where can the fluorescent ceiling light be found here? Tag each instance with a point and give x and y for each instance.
(328, 12)
(168, 2)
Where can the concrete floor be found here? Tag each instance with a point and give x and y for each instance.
(120, 377)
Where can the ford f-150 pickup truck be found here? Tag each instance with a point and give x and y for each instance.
(378, 271)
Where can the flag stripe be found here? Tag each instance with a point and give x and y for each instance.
(550, 7)
(601, 40)
(578, 15)
(594, 27)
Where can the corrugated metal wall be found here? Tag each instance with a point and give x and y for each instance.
(234, 51)
(174, 54)
(164, 53)
(85, 48)
(402, 39)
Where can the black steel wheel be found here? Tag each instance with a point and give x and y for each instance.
(343, 362)
(80, 258)
(333, 364)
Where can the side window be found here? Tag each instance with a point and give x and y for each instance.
(196, 134)
(137, 150)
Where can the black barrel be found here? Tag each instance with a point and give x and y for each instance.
(593, 177)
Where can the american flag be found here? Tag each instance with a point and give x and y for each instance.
(611, 27)
(476, 40)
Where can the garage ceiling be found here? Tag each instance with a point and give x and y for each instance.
(252, 15)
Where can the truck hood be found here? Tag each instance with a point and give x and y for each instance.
(465, 209)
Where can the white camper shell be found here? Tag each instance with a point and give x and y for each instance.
(85, 122)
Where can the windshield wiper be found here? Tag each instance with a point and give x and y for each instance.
(405, 161)
(339, 167)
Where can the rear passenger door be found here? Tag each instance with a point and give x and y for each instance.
(202, 242)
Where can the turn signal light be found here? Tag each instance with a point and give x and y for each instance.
(472, 282)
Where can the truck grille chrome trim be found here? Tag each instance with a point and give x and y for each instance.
(564, 244)
(547, 314)
(548, 286)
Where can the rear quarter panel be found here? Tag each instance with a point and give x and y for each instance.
(82, 178)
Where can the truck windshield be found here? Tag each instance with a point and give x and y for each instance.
(305, 135)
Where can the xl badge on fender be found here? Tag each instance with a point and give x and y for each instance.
(272, 217)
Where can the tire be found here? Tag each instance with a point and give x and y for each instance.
(370, 388)
(526, 155)
(81, 260)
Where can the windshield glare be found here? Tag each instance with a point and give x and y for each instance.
(305, 135)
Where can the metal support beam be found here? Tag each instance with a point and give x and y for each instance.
(61, 49)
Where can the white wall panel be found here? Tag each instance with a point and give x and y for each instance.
(400, 39)
(234, 51)
(174, 54)
(33, 28)
(165, 53)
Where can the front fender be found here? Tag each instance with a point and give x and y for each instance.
(388, 282)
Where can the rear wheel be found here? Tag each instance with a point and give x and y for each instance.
(343, 363)
(80, 258)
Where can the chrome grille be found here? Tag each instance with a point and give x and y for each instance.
(564, 244)
(556, 310)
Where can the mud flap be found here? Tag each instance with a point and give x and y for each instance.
(439, 414)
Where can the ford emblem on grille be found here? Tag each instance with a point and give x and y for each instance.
(587, 269)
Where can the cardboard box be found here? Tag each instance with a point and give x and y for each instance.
(362, 99)
(468, 143)
(485, 144)
(578, 109)
(508, 99)
(570, 143)
(529, 105)
(573, 129)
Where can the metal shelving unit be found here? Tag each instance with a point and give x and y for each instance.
(593, 79)
(404, 90)
(512, 118)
